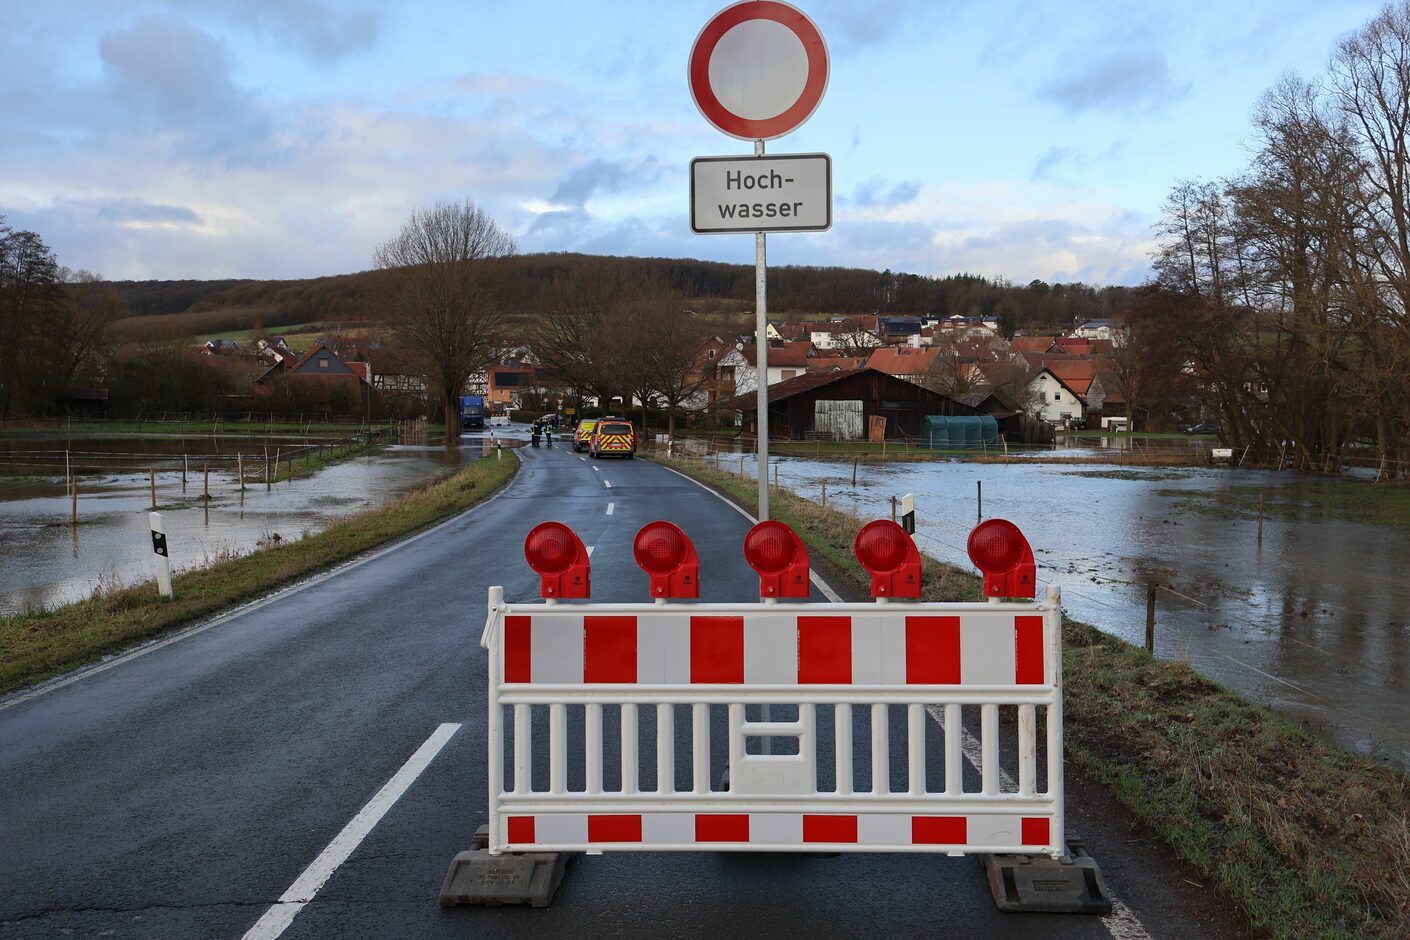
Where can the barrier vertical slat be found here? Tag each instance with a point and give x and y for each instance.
(989, 748)
(558, 749)
(631, 782)
(1027, 750)
(880, 752)
(700, 745)
(522, 748)
(842, 721)
(954, 754)
(665, 749)
(1054, 717)
(493, 730)
(808, 741)
(592, 744)
(915, 741)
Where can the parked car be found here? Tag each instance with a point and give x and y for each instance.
(1204, 427)
(613, 436)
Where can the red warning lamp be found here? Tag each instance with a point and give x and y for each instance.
(886, 550)
(777, 554)
(998, 549)
(662, 550)
(556, 553)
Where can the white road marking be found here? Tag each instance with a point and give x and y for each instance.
(596, 469)
(282, 913)
(583, 459)
(589, 550)
(818, 582)
(610, 507)
(607, 483)
(83, 672)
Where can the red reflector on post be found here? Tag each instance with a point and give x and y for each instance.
(664, 552)
(559, 558)
(999, 550)
(887, 551)
(779, 557)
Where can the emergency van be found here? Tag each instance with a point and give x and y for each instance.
(613, 437)
(582, 436)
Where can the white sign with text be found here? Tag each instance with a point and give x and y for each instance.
(777, 193)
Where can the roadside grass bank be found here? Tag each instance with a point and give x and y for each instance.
(35, 646)
(1342, 499)
(1309, 840)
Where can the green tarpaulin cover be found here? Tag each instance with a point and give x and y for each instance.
(971, 432)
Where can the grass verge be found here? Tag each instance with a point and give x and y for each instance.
(39, 645)
(1310, 840)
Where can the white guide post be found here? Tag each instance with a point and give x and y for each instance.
(761, 344)
(159, 554)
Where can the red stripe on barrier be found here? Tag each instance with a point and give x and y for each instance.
(829, 828)
(1034, 831)
(517, 631)
(939, 830)
(825, 651)
(609, 649)
(933, 650)
(520, 829)
(1028, 645)
(716, 649)
(614, 828)
(722, 827)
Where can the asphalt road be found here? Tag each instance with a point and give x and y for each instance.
(180, 793)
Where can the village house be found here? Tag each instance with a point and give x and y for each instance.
(785, 361)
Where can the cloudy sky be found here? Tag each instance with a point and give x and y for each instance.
(287, 138)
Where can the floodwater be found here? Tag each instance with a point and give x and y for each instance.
(1308, 622)
(48, 562)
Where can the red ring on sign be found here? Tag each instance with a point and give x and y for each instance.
(780, 124)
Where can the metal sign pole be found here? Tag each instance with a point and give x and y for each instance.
(761, 346)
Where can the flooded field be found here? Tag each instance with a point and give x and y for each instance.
(49, 562)
(1308, 622)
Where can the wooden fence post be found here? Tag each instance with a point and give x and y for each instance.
(1150, 618)
(152, 476)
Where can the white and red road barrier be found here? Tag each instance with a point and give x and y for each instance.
(601, 715)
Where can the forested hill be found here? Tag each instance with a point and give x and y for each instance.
(712, 285)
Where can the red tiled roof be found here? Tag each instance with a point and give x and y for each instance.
(789, 355)
(902, 360)
(1036, 344)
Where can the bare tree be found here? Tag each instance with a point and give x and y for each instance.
(674, 361)
(445, 297)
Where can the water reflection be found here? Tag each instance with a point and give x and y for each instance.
(1309, 622)
(50, 562)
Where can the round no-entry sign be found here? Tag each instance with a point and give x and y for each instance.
(758, 69)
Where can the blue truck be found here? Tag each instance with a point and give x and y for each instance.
(472, 411)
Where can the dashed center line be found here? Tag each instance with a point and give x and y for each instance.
(610, 507)
(596, 470)
(607, 483)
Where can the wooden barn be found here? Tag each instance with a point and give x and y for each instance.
(841, 405)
